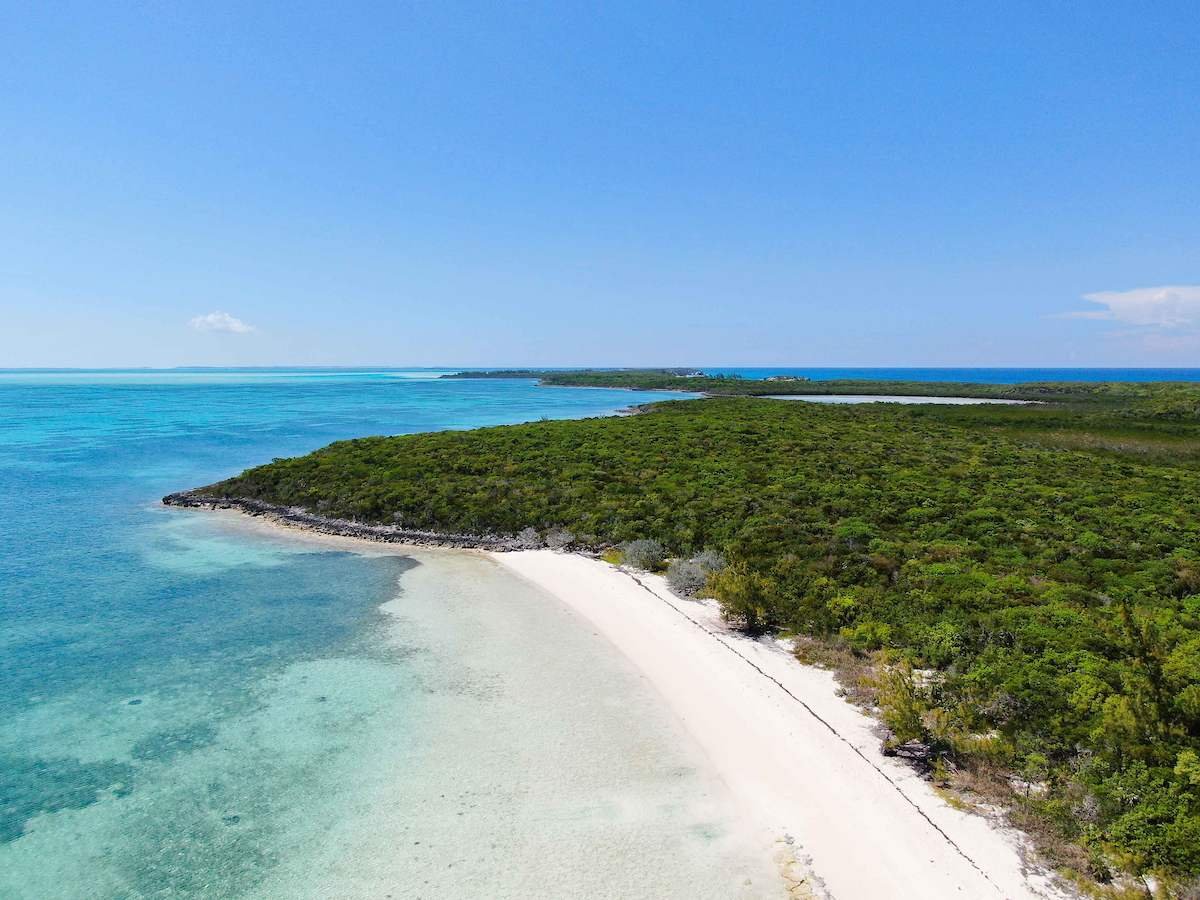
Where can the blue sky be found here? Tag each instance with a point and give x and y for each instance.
(642, 183)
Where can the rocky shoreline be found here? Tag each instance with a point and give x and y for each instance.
(298, 517)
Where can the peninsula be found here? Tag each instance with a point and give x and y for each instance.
(1013, 590)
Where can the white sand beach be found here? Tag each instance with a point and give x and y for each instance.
(804, 764)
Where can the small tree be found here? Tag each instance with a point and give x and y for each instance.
(901, 706)
(747, 599)
(644, 554)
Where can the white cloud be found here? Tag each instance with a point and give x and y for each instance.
(221, 321)
(1168, 308)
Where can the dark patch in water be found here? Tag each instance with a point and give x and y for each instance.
(30, 786)
(165, 745)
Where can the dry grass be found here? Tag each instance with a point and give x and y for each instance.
(854, 672)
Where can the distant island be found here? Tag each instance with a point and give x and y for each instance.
(1160, 399)
(1014, 590)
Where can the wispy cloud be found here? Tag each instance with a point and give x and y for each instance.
(221, 321)
(1170, 308)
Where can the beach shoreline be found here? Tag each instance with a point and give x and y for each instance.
(802, 763)
(301, 520)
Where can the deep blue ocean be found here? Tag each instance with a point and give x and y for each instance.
(975, 376)
(183, 702)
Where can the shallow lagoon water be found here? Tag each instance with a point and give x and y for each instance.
(194, 708)
(893, 398)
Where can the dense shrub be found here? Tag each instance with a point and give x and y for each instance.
(748, 599)
(647, 554)
(686, 577)
(689, 577)
(709, 561)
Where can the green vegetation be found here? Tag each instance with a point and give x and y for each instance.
(690, 577)
(644, 553)
(1017, 588)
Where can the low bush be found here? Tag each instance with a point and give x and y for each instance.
(710, 561)
(613, 556)
(647, 554)
(686, 577)
(689, 577)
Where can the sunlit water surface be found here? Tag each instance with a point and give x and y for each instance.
(194, 707)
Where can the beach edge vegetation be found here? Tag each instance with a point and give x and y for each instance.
(1015, 590)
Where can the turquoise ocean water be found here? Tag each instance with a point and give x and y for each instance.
(196, 707)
